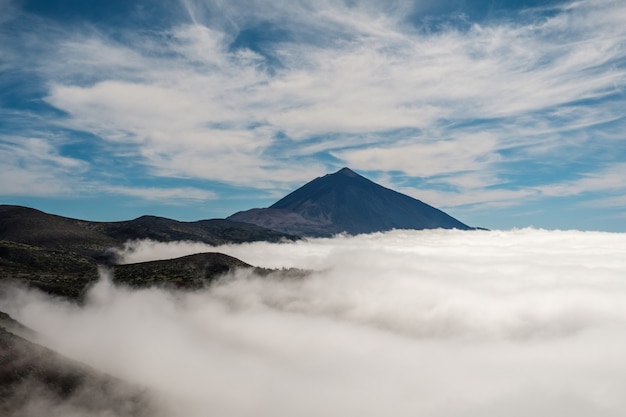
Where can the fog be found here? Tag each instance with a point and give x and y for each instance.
(404, 323)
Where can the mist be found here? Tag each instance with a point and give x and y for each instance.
(403, 323)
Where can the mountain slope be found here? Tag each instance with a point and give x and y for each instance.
(347, 202)
(37, 381)
(33, 227)
(186, 272)
(60, 255)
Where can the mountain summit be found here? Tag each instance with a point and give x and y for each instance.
(346, 202)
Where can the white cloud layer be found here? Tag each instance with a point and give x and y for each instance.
(439, 323)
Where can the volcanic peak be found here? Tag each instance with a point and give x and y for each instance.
(346, 202)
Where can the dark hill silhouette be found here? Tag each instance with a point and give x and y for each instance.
(347, 202)
(33, 227)
(191, 272)
(30, 372)
(60, 255)
(187, 272)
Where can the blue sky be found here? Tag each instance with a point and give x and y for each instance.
(502, 113)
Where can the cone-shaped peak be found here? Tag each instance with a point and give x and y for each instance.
(347, 202)
(347, 172)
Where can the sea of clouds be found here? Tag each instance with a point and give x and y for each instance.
(404, 323)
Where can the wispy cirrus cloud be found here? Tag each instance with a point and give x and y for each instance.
(264, 95)
(33, 166)
(610, 178)
(166, 195)
(428, 158)
(368, 81)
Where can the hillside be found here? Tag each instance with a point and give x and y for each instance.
(187, 272)
(33, 227)
(61, 255)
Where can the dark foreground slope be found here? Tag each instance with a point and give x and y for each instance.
(61, 255)
(35, 381)
(191, 272)
(187, 272)
(347, 202)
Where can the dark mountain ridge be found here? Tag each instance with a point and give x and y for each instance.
(347, 202)
(33, 227)
(60, 255)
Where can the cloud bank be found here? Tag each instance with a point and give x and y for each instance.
(440, 323)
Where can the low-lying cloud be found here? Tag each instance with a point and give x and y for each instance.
(404, 323)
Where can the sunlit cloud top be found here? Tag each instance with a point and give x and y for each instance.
(501, 115)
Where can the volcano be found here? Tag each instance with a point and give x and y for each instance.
(346, 202)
